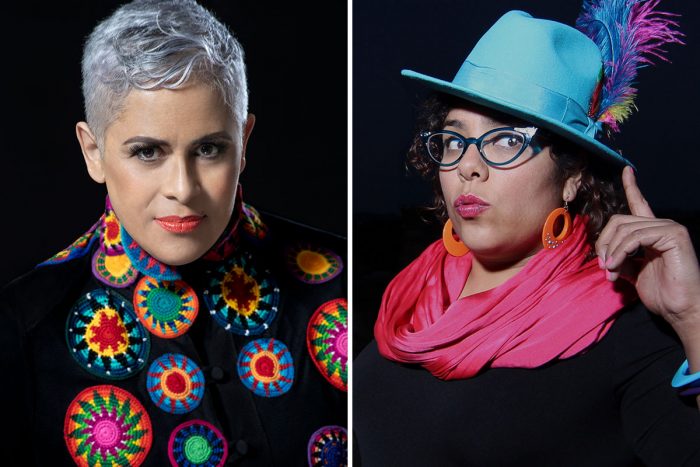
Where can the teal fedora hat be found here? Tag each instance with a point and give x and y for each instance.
(538, 70)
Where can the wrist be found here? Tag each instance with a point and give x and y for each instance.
(689, 334)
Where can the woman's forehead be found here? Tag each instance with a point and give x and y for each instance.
(458, 116)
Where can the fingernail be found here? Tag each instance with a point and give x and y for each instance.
(611, 276)
(601, 263)
(609, 262)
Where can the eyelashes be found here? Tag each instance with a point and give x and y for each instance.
(144, 152)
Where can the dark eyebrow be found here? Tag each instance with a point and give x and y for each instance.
(145, 139)
(491, 121)
(219, 135)
(454, 123)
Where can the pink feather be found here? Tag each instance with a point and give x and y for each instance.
(630, 34)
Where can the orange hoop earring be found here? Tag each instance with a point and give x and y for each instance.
(452, 245)
(549, 239)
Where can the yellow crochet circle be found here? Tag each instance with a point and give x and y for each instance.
(312, 262)
(117, 265)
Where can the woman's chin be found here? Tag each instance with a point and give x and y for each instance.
(503, 252)
(177, 256)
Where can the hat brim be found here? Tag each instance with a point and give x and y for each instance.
(581, 139)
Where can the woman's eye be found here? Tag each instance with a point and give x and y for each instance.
(209, 150)
(145, 153)
(453, 144)
(508, 140)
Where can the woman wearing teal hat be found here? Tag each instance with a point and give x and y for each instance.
(532, 314)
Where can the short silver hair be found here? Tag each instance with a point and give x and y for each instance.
(155, 44)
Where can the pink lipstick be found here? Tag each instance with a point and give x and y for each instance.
(179, 225)
(469, 206)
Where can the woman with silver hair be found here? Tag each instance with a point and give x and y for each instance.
(184, 326)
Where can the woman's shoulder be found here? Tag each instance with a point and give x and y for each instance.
(637, 329)
(283, 228)
(31, 296)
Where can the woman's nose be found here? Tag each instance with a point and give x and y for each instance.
(471, 165)
(181, 181)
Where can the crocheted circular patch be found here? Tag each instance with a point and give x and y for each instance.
(145, 263)
(242, 297)
(106, 425)
(113, 270)
(265, 366)
(253, 224)
(166, 308)
(313, 264)
(175, 383)
(105, 337)
(110, 234)
(197, 443)
(78, 248)
(328, 447)
(327, 340)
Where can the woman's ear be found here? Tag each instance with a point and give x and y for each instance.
(571, 186)
(247, 130)
(91, 152)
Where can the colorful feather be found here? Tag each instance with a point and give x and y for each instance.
(629, 33)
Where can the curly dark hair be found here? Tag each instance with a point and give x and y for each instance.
(599, 196)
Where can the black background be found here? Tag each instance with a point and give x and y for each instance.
(297, 155)
(434, 37)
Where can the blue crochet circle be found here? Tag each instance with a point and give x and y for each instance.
(175, 383)
(105, 337)
(328, 446)
(265, 367)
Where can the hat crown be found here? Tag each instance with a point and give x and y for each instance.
(545, 53)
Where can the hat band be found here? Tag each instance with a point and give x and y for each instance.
(528, 97)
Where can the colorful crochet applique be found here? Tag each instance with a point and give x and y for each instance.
(253, 224)
(327, 340)
(78, 248)
(113, 270)
(165, 308)
(197, 444)
(265, 367)
(328, 447)
(228, 242)
(175, 383)
(145, 263)
(110, 234)
(105, 337)
(107, 426)
(313, 264)
(242, 297)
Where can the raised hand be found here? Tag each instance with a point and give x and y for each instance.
(655, 255)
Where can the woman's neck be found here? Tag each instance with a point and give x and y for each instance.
(486, 275)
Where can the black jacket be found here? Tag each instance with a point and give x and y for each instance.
(41, 378)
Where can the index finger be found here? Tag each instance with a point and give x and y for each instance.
(635, 200)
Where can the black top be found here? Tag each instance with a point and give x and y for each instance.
(41, 378)
(612, 406)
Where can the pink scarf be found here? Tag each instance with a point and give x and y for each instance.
(556, 307)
